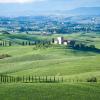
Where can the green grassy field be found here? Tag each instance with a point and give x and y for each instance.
(50, 92)
(52, 61)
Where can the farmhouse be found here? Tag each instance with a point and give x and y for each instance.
(61, 40)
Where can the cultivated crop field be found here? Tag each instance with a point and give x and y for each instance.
(58, 61)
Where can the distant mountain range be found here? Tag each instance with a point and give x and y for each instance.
(74, 12)
(84, 11)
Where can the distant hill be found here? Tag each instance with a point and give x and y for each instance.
(16, 10)
(84, 11)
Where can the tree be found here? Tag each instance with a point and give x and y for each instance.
(23, 43)
(29, 43)
(10, 43)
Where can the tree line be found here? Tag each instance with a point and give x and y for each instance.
(30, 79)
(83, 47)
(42, 79)
(38, 43)
(5, 43)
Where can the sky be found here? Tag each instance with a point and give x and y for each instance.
(28, 7)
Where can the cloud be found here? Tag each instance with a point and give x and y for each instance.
(19, 1)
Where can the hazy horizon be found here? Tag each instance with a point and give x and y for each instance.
(32, 7)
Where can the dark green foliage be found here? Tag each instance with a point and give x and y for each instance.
(42, 44)
(92, 79)
(4, 32)
(23, 43)
(29, 43)
(26, 43)
(5, 43)
(83, 47)
(10, 44)
(2, 56)
(29, 79)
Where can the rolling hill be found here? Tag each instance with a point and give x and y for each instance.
(53, 61)
(84, 11)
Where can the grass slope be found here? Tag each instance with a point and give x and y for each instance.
(50, 92)
(53, 61)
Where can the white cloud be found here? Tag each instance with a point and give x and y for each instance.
(19, 1)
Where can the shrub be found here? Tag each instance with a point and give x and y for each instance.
(2, 56)
(92, 79)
